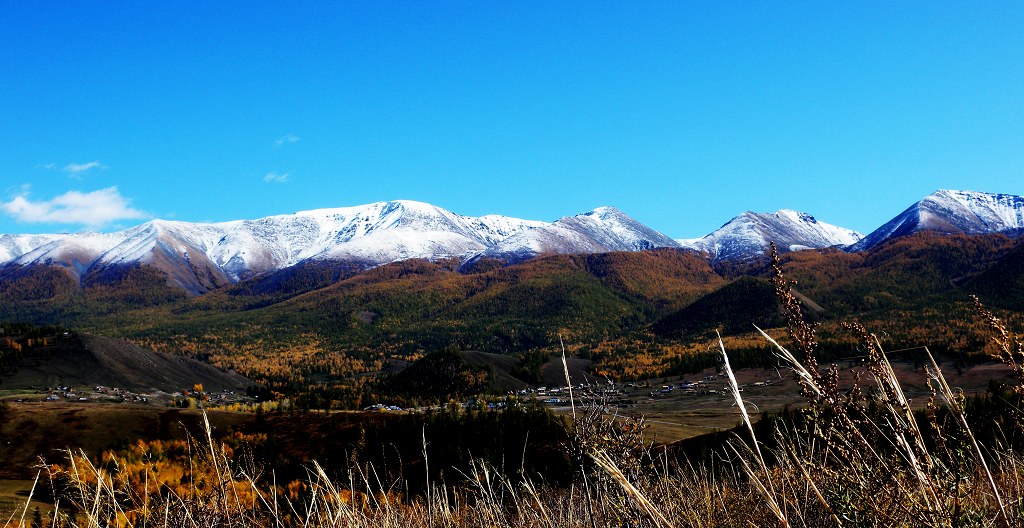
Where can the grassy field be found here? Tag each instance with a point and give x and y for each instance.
(882, 472)
(684, 414)
(13, 495)
(47, 429)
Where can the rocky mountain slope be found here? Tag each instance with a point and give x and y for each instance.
(748, 235)
(599, 231)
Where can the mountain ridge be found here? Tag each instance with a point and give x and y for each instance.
(199, 257)
(748, 235)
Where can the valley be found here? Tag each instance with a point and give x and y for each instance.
(116, 358)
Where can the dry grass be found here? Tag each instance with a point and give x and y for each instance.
(837, 470)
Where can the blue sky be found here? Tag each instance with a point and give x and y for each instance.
(682, 114)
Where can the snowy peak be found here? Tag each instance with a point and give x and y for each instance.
(616, 231)
(349, 223)
(388, 231)
(749, 234)
(601, 230)
(978, 211)
(948, 211)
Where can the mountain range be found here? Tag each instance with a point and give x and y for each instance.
(199, 257)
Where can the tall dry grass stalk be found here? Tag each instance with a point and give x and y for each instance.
(763, 480)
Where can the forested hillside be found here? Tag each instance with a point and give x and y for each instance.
(636, 314)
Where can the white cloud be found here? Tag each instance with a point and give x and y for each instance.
(92, 209)
(77, 169)
(273, 177)
(82, 167)
(287, 138)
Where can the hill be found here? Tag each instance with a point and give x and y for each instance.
(731, 309)
(87, 361)
(903, 273)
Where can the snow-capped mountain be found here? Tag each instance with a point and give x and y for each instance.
(390, 231)
(749, 234)
(947, 211)
(601, 230)
(201, 256)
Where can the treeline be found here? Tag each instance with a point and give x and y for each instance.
(369, 452)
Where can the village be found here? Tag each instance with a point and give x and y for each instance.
(115, 395)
